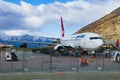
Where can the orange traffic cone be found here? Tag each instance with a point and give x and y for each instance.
(84, 61)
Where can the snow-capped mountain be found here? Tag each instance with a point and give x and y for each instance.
(25, 38)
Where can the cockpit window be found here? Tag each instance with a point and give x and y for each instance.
(80, 36)
(92, 38)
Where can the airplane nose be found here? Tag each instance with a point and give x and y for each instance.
(100, 43)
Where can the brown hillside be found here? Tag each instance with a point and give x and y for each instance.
(108, 26)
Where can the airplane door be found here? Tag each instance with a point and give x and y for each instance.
(85, 42)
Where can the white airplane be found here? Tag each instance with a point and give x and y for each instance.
(86, 41)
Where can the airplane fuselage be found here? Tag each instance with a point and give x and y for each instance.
(87, 41)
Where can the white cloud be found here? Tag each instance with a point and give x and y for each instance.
(29, 17)
(16, 32)
(21, 32)
(33, 21)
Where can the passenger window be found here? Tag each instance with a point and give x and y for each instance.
(91, 38)
(80, 36)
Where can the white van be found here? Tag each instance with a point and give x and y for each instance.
(10, 55)
(116, 56)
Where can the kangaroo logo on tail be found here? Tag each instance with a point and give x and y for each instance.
(62, 26)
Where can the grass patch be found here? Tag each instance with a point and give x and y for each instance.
(63, 76)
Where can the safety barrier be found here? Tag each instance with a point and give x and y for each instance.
(29, 61)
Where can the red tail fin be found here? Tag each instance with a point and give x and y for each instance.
(62, 26)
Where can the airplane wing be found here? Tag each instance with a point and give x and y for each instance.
(54, 42)
(33, 42)
(48, 41)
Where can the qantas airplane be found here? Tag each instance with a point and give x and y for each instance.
(86, 41)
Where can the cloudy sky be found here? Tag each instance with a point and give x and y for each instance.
(42, 17)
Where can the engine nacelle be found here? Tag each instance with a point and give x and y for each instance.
(59, 47)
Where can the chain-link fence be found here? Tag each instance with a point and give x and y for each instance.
(42, 61)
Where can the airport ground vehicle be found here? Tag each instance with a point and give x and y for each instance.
(116, 56)
(10, 55)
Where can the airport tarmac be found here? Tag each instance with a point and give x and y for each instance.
(29, 61)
